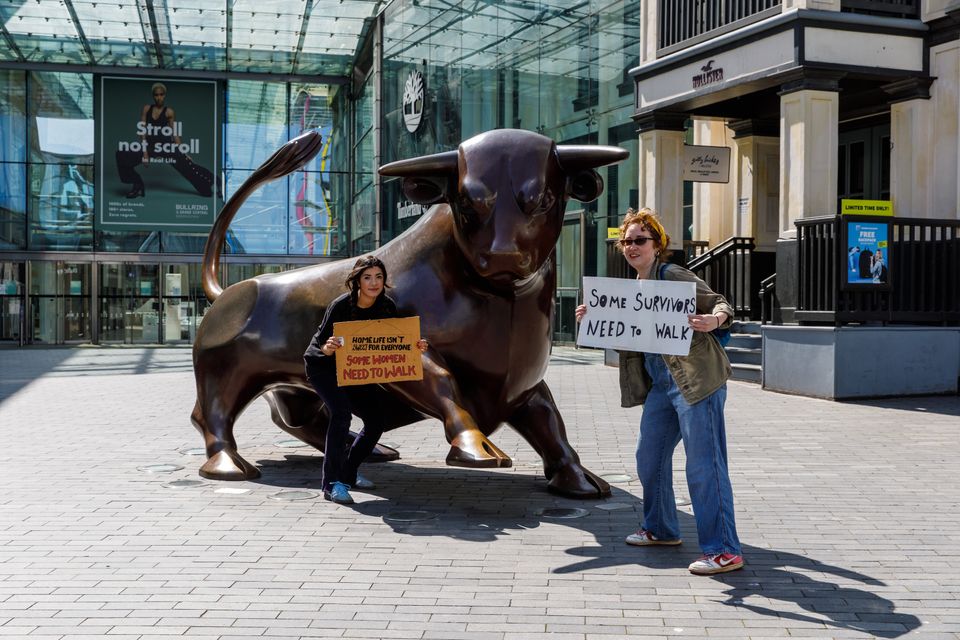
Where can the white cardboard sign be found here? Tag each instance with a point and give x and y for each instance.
(638, 315)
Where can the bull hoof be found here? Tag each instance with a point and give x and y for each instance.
(574, 481)
(226, 466)
(473, 449)
(382, 453)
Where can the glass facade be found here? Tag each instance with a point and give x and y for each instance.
(455, 69)
(394, 80)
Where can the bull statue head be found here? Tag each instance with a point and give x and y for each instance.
(507, 190)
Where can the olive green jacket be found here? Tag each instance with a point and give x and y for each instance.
(698, 374)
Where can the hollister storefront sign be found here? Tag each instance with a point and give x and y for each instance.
(708, 75)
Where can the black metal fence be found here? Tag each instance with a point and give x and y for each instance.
(727, 269)
(924, 275)
(686, 22)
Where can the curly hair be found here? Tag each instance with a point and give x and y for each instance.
(363, 263)
(649, 220)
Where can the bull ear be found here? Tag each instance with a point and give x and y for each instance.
(424, 190)
(585, 186)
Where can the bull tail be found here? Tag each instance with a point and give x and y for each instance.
(287, 159)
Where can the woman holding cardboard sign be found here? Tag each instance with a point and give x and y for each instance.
(366, 300)
(683, 398)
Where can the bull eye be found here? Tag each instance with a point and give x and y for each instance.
(546, 204)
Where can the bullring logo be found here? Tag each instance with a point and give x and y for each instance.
(413, 101)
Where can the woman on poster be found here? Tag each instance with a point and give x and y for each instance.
(157, 147)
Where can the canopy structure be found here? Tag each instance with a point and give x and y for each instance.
(284, 37)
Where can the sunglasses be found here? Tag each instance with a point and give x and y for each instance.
(639, 241)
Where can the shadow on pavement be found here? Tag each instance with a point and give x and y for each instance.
(483, 506)
(20, 367)
(943, 405)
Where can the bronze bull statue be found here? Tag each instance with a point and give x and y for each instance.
(479, 270)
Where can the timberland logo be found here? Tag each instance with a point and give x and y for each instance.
(708, 75)
(409, 209)
(413, 101)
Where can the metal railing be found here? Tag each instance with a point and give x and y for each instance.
(924, 259)
(686, 22)
(727, 270)
(683, 23)
(768, 293)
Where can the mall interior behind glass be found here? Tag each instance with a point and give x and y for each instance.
(281, 68)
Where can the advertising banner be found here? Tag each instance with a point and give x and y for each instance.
(850, 207)
(157, 153)
(378, 351)
(638, 315)
(867, 253)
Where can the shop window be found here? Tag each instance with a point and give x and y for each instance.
(256, 123)
(61, 207)
(60, 108)
(317, 204)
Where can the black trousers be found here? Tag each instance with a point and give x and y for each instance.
(200, 177)
(341, 458)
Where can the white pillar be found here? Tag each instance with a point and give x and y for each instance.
(714, 203)
(809, 120)
(822, 5)
(944, 119)
(911, 132)
(661, 178)
(755, 172)
(649, 19)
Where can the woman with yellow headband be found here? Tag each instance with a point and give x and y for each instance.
(683, 399)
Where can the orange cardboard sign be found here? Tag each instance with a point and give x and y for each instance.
(375, 351)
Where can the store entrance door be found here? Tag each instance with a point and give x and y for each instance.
(863, 167)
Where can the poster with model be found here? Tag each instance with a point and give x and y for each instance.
(867, 253)
(157, 150)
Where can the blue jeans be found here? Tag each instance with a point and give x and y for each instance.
(668, 418)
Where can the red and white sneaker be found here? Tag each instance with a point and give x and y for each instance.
(643, 538)
(709, 564)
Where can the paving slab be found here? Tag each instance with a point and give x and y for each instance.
(849, 514)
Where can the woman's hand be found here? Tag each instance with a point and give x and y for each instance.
(422, 345)
(706, 321)
(580, 311)
(331, 345)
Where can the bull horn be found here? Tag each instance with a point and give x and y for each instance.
(577, 157)
(437, 164)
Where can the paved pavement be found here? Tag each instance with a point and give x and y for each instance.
(849, 513)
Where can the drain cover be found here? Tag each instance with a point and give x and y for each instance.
(613, 506)
(287, 496)
(160, 468)
(409, 516)
(199, 451)
(180, 484)
(562, 513)
(682, 502)
(617, 477)
(290, 444)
